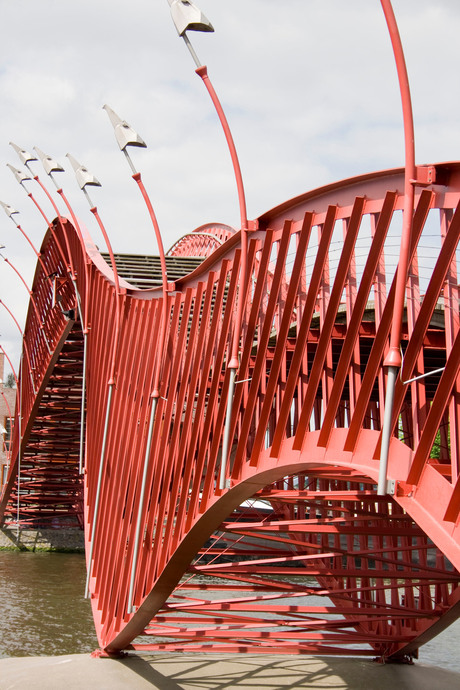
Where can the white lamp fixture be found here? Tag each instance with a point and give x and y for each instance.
(187, 17)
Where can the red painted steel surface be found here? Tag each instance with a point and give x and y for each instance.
(297, 553)
(203, 241)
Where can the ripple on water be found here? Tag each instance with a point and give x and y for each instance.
(43, 607)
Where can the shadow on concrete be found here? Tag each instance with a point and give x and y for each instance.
(146, 670)
(247, 672)
(218, 672)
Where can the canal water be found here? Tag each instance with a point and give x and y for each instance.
(44, 613)
(43, 610)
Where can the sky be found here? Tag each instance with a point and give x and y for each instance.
(309, 88)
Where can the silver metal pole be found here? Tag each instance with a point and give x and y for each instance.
(382, 488)
(423, 376)
(98, 490)
(83, 402)
(20, 445)
(83, 384)
(191, 50)
(131, 608)
(226, 438)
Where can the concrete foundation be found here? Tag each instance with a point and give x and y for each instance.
(71, 539)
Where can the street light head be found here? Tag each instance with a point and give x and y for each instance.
(24, 156)
(82, 174)
(124, 134)
(187, 17)
(49, 164)
(9, 210)
(19, 175)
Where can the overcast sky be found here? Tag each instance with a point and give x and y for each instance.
(309, 88)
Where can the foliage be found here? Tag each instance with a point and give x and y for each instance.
(9, 383)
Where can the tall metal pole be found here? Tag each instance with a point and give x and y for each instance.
(111, 385)
(127, 136)
(84, 178)
(98, 489)
(137, 531)
(187, 16)
(393, 359)
(18, 506)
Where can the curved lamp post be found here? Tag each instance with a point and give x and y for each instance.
(10, 415)
(393, 359)
(26, 349)
(86, 179)
(187, 17)
(31, 296)
(51, 166)
(22, 177)
(18, 414)
(10, 212)
(17, 389)
(127, 136)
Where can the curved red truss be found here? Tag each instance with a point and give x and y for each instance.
(297, 553)
(203, 241)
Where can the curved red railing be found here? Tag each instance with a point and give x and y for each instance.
(297, 553)
(201, 242)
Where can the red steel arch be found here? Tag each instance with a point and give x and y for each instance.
(296, 553)
(203, 241)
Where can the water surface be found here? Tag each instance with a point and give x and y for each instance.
(43, 610)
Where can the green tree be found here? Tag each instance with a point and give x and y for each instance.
(9, 383)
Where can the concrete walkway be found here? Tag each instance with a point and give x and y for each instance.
(217, 672)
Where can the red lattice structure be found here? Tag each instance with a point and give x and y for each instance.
(203, 241)
(286, 547)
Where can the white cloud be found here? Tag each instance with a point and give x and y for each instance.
(37, 96)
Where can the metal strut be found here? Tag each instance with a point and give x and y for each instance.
(394, 360)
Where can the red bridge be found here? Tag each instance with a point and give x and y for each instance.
(293, 551)
(215, 420)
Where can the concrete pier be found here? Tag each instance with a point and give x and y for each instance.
(71, 539)
(217, 672)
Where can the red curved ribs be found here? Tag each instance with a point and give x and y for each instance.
(297, 553)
